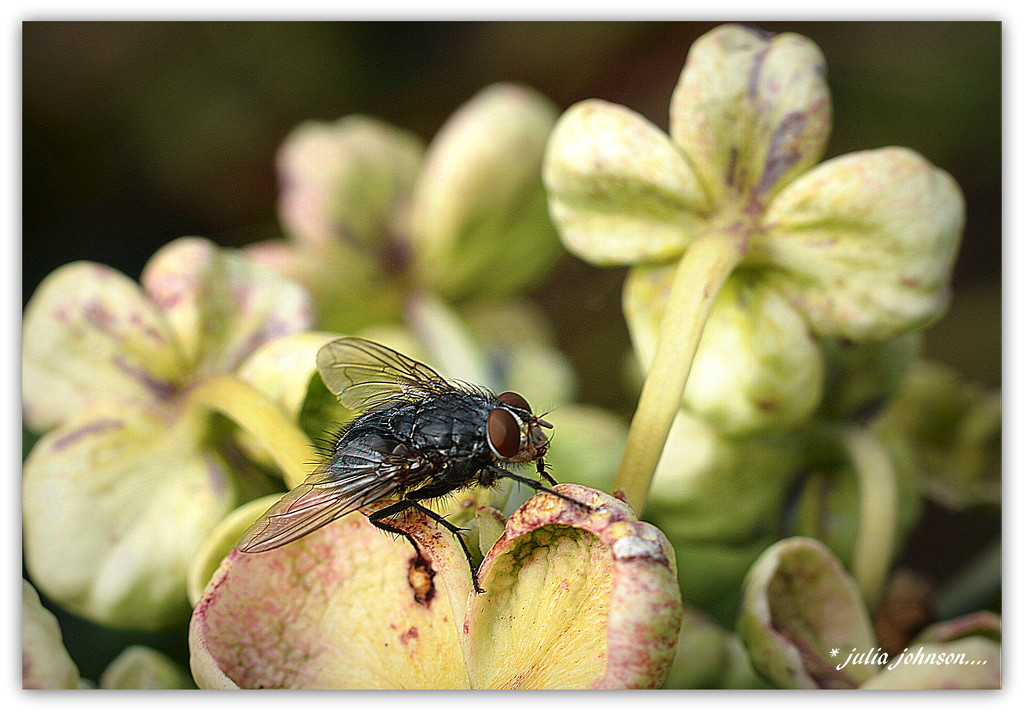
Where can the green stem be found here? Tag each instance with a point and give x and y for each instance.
(265, 421)
(702, 271)
(878, 498)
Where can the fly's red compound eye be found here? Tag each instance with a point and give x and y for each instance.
(503, 432)
(511, 398)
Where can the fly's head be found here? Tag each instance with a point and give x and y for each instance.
(514, 433)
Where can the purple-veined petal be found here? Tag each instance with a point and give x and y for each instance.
(752, 111)
(864, 243)
(92, 336)
(115, 505)
(222, 305)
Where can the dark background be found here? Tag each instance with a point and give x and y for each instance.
(137, 133)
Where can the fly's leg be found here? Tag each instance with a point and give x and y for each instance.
(537, 485)
(410, 501)
(542, 472)
(457, 531)
(377, 520)
(422, 591)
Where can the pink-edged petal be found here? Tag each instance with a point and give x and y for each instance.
(347, 606)
(574, 599)
(91, 336)
(221, 304)
(799, 604)
(981, 623)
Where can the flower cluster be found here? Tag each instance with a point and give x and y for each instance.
(371, 215)
(775, 306)
(785, 435)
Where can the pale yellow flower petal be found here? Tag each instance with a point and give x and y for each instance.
(574, 599)
(751, 111)
(115, 506)
(222, 305)
(221, 540)
(865, 243)
(345, 607)
(91, 335)
(619, 190)
(284, 370)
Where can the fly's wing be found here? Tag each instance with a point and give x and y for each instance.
(365, 375)
(364, 471)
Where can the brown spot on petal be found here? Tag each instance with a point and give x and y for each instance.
(421, 580)
(768, 405)
(909, 282)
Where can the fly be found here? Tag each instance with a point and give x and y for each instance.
(418, 437)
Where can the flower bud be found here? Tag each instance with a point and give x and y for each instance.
(757, 369)
(479, 222)
(798, 604)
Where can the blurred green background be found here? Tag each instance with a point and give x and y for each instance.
(137, 133)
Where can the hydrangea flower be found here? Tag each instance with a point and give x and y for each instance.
(134, 470)
(371, 215)
(727, 222)
(573, 599)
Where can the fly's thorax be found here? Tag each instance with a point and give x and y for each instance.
(451, 423)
